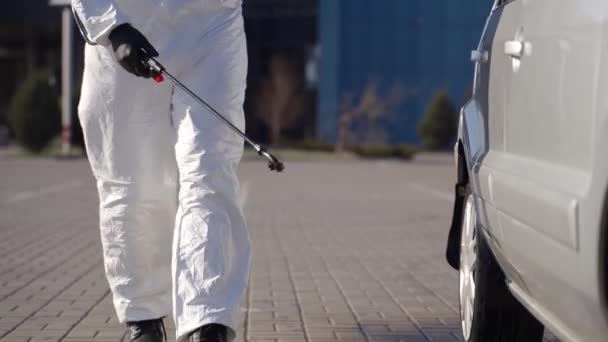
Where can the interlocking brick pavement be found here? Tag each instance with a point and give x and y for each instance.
(342, 251)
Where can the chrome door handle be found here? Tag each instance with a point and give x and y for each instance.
(514, 48)
(518, 49)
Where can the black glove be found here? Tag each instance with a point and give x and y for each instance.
(131, 49)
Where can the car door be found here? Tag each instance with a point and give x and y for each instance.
(551, 66)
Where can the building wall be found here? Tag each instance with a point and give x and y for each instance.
(419, 46)
(30, 38)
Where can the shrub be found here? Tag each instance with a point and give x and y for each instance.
(363, 118)
(437, 129)
(310, 145)
(34, 112)
(280, 101)
(405, 152)
(384, 151)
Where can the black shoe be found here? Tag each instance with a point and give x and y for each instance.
(211, 333)
(147, 331)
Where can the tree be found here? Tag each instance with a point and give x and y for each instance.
(367, 110)
(279, 102)
(437, 129)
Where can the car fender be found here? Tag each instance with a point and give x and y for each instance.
(469, 150)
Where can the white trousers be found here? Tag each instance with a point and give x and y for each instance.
(173, 235)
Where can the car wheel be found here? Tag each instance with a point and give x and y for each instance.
(488, 310)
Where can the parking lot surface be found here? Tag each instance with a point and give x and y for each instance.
(342, 251)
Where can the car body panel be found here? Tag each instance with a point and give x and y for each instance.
(535, 140)
(544, 171)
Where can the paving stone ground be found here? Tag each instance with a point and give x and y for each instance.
(342, 251)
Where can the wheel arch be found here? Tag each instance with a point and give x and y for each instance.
(453, 246)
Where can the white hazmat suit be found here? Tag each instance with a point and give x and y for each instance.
(165, 167)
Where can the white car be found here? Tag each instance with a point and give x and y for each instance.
(530, 225)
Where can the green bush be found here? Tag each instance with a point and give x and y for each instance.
(34, 112)
(437, 129)
(310, 145)
(383, 151)
(405, 152)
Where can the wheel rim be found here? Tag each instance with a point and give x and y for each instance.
(468, 267)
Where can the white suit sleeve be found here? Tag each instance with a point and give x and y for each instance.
(97, 18)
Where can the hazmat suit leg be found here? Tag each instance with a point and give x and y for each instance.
(129, 136)
(142, 139)
(211, 245)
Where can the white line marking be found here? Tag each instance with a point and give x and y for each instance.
(435, 193)
(244, 194)
(27, 195)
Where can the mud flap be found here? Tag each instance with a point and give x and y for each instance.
(452, 253)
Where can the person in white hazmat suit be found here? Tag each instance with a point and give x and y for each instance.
(174, 238)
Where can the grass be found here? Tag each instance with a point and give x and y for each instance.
(297, 151)
(308, 150)
(51, 151)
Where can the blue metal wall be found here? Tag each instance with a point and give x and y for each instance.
(419, 45)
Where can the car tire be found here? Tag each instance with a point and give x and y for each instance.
(488, 310)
